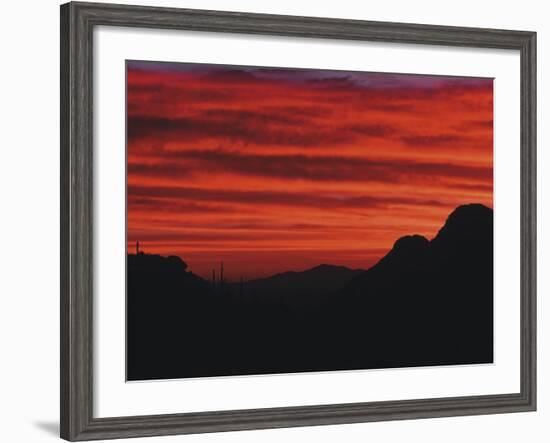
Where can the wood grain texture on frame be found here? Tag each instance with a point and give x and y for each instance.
(77, 24)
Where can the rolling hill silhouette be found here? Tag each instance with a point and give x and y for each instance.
(426, 302)
(311, 286)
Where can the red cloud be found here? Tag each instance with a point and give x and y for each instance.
(247, 163)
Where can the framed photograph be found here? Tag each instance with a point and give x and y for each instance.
(273, 221)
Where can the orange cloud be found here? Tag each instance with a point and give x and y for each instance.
(277, 169)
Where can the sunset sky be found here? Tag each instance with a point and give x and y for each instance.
(273, 169)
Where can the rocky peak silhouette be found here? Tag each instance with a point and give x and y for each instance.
(408, 247)
(467, 224)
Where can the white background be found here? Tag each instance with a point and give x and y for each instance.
(113, 397)
(29, 184)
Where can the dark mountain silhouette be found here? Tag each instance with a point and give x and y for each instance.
(299, 288)
(440, 292)
(427, 302)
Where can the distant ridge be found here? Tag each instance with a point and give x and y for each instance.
(302, 287)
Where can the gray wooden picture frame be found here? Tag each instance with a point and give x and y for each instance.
(77, 24)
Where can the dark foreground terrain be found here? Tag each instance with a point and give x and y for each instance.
(427, 302)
